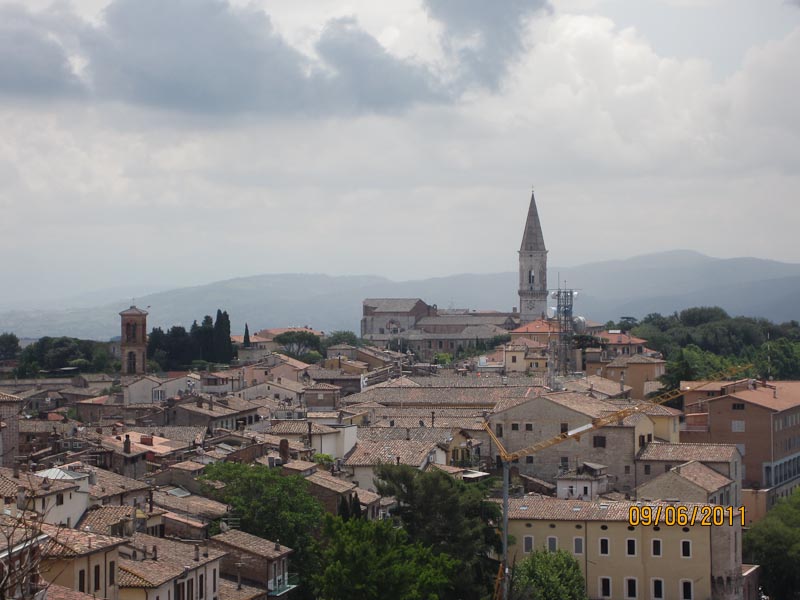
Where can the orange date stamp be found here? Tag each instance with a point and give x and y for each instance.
(685, 516)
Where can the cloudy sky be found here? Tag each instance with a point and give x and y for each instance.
(173, 142)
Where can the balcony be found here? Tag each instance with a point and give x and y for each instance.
(283, 585)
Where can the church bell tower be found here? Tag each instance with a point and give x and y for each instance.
(532, 269)
(133, 347)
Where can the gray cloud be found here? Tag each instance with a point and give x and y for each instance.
(483, 36)
(32, 63)
(195, 56)
(367, 76)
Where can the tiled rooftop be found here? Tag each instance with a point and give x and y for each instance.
(252, 544)
(66, 542)
(545, 508)
(410, 452)
(685, 452)
(328, 481)
(703, 476)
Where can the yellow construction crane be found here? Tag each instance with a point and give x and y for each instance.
(506, 457)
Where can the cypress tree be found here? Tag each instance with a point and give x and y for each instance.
(246, 342)
(344, 508)
(355, 506)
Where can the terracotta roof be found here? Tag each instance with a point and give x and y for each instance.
(410, 452)
(538, 326)
(685, 452)
(191, 505)
(322, 387)
(545, 508)
(231, 590)
(318, 373)
(66, 542)
(618, 338)
(367, 497)
(39, 486)
(252, 544)
(300, 465)
(188, 465)
(581, 403)
(57, 592)
(635, 359)
(420, 434)
(401, 422)
(172, 556)
(292, 362)
(112, 484)
(404, 381)
(702, 476)
(133, 311)
(446, 396)
(100, 519)
(597, 385)
(780, 395)
(326, 480)
(176, 433)
(647, 408)
(298, 427)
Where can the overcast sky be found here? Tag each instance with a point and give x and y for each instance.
(174, 142)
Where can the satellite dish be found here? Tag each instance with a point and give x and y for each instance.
(579, 325)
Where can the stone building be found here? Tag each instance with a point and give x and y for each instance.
(133, 345)
(532, 268)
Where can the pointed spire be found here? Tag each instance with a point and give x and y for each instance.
(533, 240)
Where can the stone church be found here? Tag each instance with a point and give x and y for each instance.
(412, 323)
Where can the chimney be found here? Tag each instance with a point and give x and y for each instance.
(433, 418)
(283, 450)
(16, 469)
(397, 458)
(277, 545)
(197, 553)
(155, 553)
(205, 550)
(408, 433)
(126, 446)
(239, 575)
(21, 497)
(775, 392)
(146, 440)
(199, 402)
(309, 432)
(92, 477)
(210, 404)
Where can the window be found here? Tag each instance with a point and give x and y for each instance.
(667, 468)
(630, 547)
(565, 463)
(498, 430)
(604, 547)
(202, 587)
(656, 547)
(528, 426)
(630, 587)
(737, 426)
(599, 441)
(214, 580)
(647, 469)
(627, 469)
(738, 406)
(513, 358)
(605, 587)
(515, 427)
(564, 427)
(112, 573)
(686, 590)
(658, 589)
(81, 580)
(552, 544)
(529, 460)
(59, 499)
(527, 544)
(641, 441)
(686, 549)
(96, 577)
(577, 545)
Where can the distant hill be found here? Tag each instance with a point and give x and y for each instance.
(663, 282)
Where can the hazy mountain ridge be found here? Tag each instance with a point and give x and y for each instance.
(663, 282)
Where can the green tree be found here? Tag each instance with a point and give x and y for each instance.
(271, 506)
(373, 560)
(246, 340)
(693, 363)
(341, 337)
(547, 575)
(223, 348)
(774, 543)
(203, 336)
(344, 508)
(9, 346)
(449, 516)
(298, 343)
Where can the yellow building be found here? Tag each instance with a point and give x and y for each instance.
(622, 560)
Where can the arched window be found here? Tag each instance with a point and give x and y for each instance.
(131, 362)
(133, 333)
(128, 332)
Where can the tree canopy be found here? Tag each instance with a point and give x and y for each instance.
(208, 341)
(302, 345)
(774, 543)
(545, 575)
(449, 516)
(9, 346)
(374, 560)
(49, 353)
(272, 506)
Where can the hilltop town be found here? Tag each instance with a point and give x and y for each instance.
(207, 470)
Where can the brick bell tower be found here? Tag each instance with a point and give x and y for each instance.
(133, 348)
